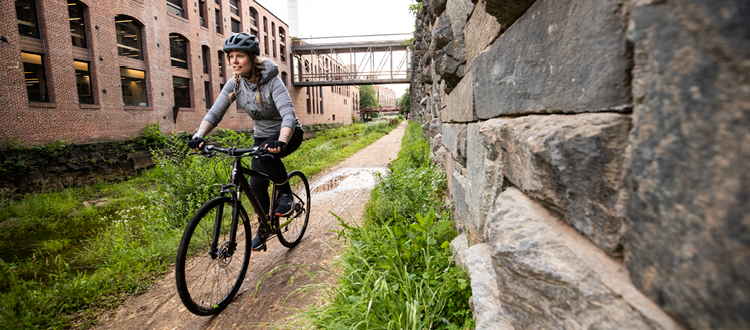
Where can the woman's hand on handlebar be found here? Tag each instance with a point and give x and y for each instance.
(275, 146)
(197, 143)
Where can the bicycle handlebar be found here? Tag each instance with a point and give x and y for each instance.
(254, 152)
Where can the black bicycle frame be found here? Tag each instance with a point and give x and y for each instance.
(239, 182)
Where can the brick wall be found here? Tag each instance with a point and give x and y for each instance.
(108, 119)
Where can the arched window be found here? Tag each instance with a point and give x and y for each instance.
(282, 35)
(178, 50)
(221, 64)
(77, 23)
(254, 17)
(205, 53)
(26, 16)
(284, 78)
(129, 42)
(265, 24)
(273, 29)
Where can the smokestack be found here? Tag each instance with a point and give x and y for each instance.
(293, 17)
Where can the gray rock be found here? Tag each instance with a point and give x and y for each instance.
(687, 243)
(461, 102)
(484, 174)
(459, 11)
(35, 177)
(459, 198)
(454, 139)
(508, 11)
(437, 6)
(550, 277)
(442, 35)
(481, 30)
(458, 246)
(549, 62)
(141, 159)
(486, 306)
(573, 165)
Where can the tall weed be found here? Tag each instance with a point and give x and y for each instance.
(398, 270)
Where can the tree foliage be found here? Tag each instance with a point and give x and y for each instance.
(405, 101)
(368, 97)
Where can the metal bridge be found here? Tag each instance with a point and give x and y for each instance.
(351, 63)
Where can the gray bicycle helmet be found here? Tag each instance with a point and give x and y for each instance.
(242, 41)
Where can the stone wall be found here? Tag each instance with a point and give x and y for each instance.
(595, 154)
(76, 165)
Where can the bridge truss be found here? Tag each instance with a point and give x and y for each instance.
(364, 63)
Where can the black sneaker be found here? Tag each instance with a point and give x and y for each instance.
(284, 207)
(256, 244)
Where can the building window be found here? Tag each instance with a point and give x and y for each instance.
(218, 21)
(273, 29)
(26, 17)
(175, 7)
(178, 46)
(207, 94)
(274, 48)
(265, 44)
(253, 32)
(282, 35)
(234, 7)
(77, 27)
(133, 87)
(333, 117)
(235, 26)
(181, 92)
(202, 13)
(284, 78)
(83, 82)
(205, 54)
(265, 24)
(282, 52)
(254, 18)
(36, 82)
(221, 64)
(128, 37)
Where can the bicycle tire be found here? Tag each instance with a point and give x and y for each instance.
(207, 285)
(297, 221)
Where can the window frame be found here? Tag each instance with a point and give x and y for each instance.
(90, 84)
(138, 34)
(128, 78)
(33, 23)
(186, 51)
(44, 93)
(84, 25)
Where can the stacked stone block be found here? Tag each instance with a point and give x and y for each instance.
(595, 157)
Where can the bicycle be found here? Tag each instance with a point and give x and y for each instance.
(213, 256)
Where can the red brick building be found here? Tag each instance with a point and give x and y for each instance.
(102, 70)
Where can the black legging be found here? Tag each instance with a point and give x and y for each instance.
(273, 167)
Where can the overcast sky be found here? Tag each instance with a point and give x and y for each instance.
(333, 18)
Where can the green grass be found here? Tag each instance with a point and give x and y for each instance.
(62, 263)
(398, 270)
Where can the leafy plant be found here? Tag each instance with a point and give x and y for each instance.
(397, 266)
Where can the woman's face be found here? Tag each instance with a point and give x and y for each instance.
(240, 62)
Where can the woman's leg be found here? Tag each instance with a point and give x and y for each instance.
(274, 167)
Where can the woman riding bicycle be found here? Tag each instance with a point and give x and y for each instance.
(258, 91)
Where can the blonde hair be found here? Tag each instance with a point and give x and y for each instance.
(257, 66)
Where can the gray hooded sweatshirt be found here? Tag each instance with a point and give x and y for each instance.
(276, 110)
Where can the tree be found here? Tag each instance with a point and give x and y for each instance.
(405, 101)
(368, 97)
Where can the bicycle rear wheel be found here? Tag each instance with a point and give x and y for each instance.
(207, 284)
(292, 228)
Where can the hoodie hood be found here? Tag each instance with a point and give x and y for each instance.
(270, 70)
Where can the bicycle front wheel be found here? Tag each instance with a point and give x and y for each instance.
(208, 282)
(292, 228)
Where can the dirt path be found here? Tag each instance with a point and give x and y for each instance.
(342, 189)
